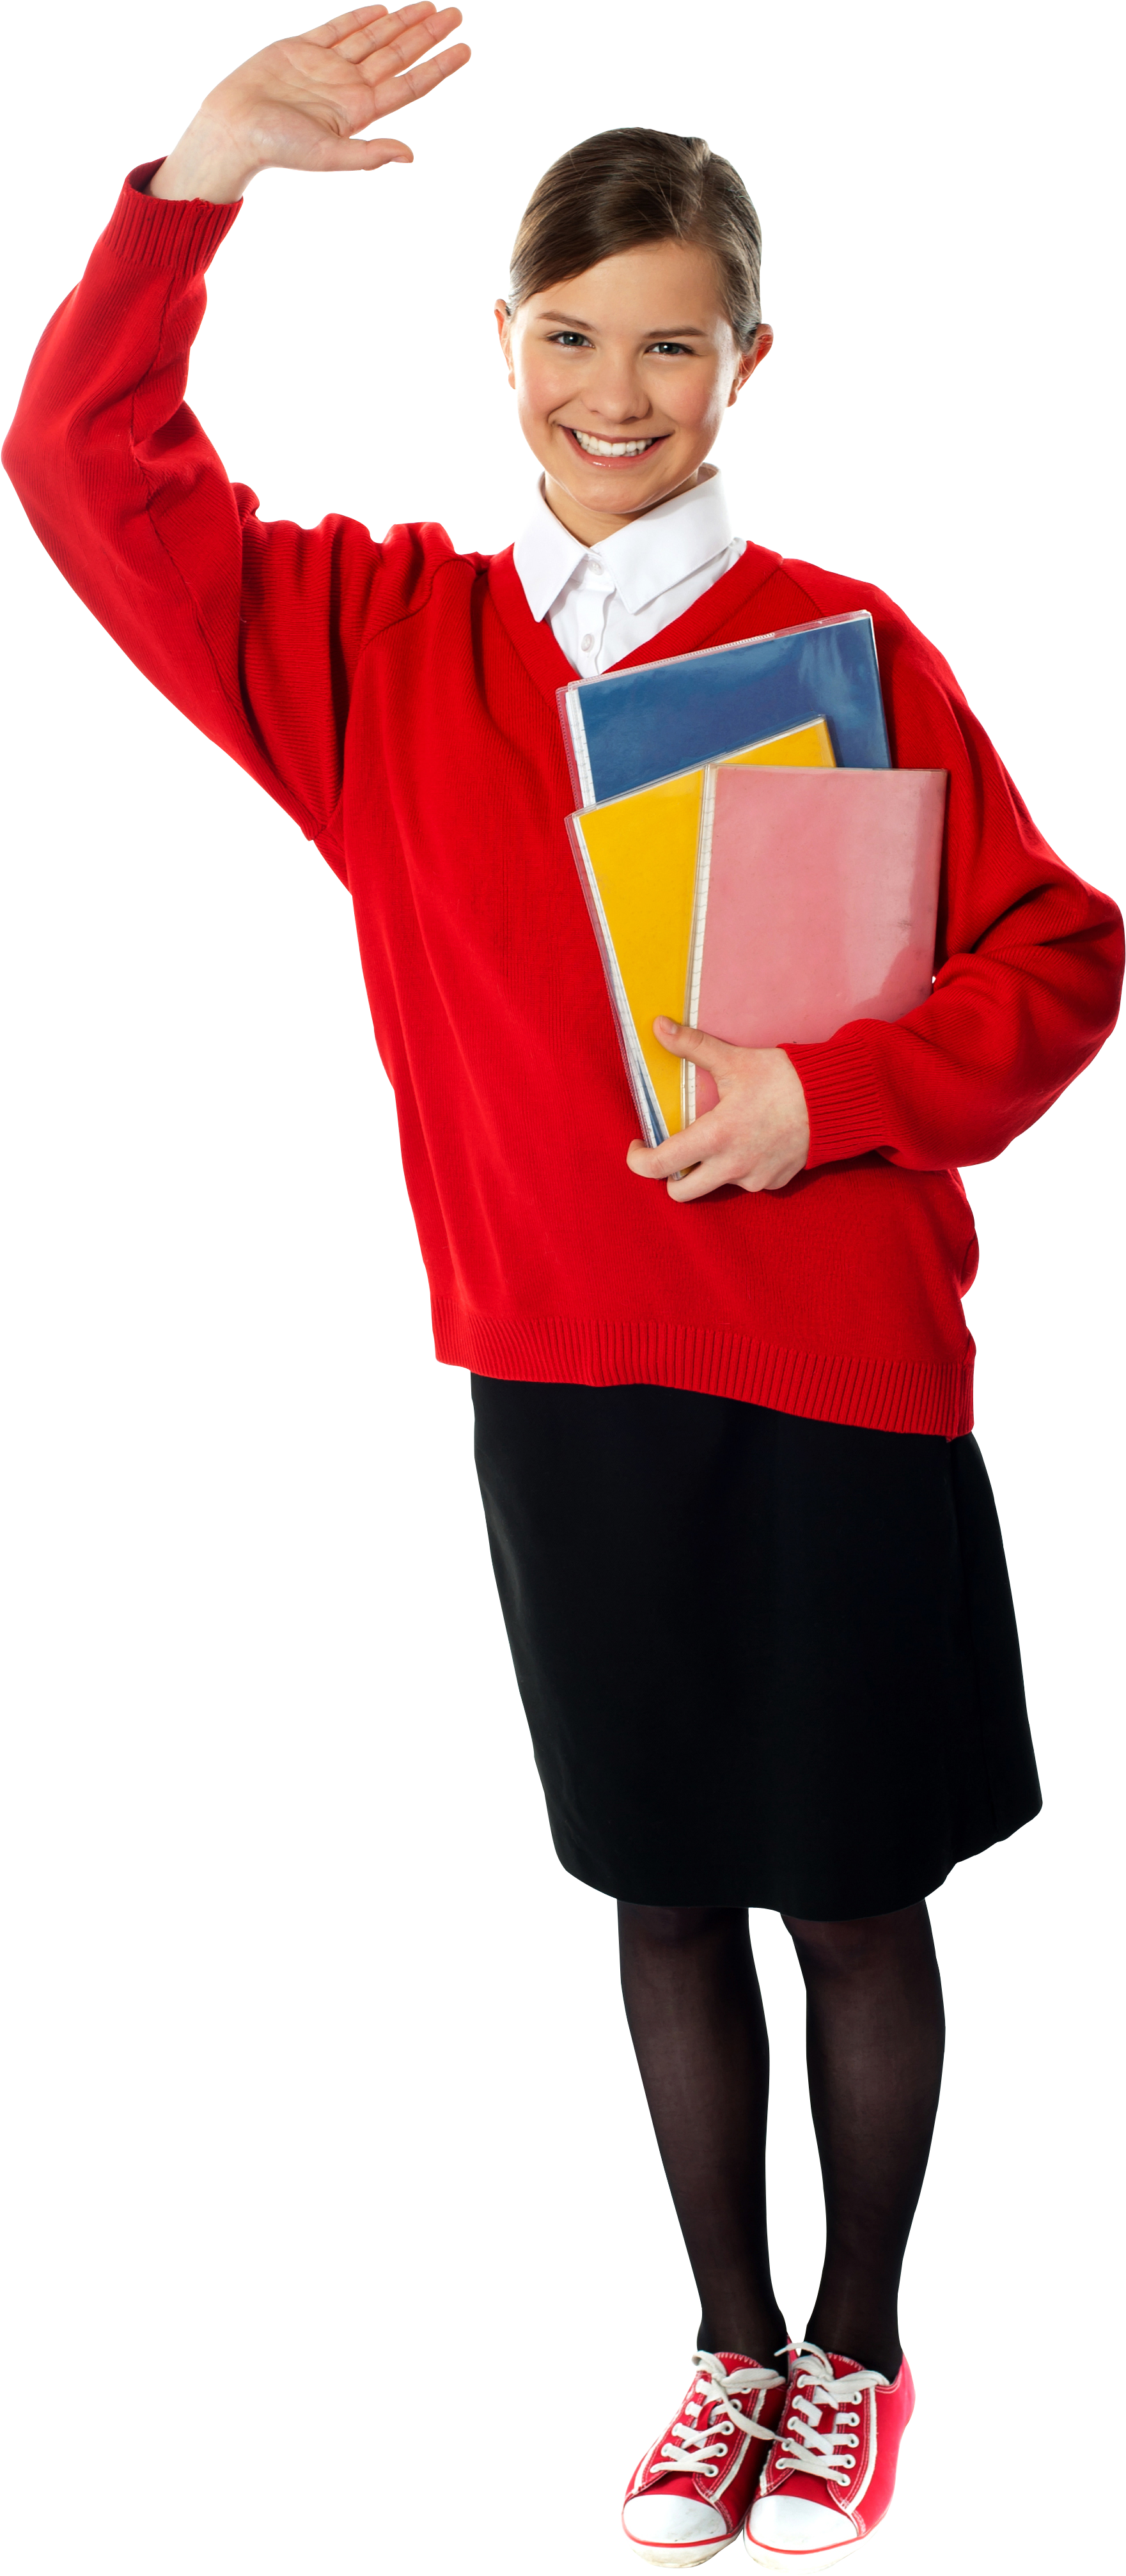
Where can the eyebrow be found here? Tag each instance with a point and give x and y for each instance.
(682, 331)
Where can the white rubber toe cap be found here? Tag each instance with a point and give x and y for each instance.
(674, 2521)
(792, 2522)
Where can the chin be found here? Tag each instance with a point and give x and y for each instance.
(612, 490)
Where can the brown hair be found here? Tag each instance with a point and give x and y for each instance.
(633, 185)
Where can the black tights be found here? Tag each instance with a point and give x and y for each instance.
(874, 2041)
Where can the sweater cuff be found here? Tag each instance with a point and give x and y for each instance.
(177, 233)
(842, 1095)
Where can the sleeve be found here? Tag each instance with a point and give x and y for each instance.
(252, 630)
(1028, 963)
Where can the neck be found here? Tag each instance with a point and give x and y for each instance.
(590, 526)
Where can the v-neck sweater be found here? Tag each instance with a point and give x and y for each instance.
(398, 699)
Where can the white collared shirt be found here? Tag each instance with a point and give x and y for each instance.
(603, 601)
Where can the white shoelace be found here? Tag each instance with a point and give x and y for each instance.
(699, 2449)
(829, 2455)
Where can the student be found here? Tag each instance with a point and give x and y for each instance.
(824, 1713)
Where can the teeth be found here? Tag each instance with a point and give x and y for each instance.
(613, 446)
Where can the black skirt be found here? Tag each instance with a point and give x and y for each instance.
(764, 1661)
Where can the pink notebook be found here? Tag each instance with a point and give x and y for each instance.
(816, 895)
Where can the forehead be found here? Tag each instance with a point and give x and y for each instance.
(658, 285)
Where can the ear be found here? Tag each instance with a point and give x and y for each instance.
(751, 358)
(504, 334)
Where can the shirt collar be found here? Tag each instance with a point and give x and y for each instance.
(649, 556)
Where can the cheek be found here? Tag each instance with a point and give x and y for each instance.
(541, 388)
(697, 404)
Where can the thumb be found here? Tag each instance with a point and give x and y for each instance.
(713, 1053)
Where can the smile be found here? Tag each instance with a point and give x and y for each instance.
(612, 446)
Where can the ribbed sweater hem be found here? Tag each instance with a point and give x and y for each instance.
(180, 234)
(842, 1096)
(875, 1395)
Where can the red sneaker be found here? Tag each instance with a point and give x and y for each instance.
(689, 2495)
(831, 2474)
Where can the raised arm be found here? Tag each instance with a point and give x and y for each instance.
(252, 630)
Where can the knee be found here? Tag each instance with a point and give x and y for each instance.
(848, 1949)
(674, 1927)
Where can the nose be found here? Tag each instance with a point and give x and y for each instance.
(614, 392)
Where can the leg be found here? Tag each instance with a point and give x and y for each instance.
(696, 2020)
(874, 2035)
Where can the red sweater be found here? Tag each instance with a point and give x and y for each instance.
(398, 699)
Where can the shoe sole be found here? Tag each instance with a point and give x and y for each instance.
(684, 2553)
(798, 2558)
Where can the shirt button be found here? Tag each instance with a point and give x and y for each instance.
(585, 643)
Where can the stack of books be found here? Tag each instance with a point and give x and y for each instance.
(752, 864)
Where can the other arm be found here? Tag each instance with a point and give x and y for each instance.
(1029, 973)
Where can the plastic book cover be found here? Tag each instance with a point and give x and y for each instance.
(637, 861)
(816, 897)
(633, 726)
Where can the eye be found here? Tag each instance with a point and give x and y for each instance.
(669, 349)
(569, 340)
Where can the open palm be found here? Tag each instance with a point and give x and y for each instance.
(298, 104)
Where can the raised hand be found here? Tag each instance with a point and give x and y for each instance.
(301, 104)
(758, 1135)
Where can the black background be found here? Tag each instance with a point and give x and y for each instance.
(333, 2128)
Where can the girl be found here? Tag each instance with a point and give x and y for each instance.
(765, 1329)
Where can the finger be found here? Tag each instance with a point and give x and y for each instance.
(713, 1053)
(654, 1162)
(366, 42)
(416, 82)
(692, 1144)
(712, 1175)
(415, 28)
(336, 30)
(703, 1136)
(347, 155)
(390, 75)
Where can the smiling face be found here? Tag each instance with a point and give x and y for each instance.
(622, 377)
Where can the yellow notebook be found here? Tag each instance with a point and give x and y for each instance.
(637, 861)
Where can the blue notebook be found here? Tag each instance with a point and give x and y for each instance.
(631, 727)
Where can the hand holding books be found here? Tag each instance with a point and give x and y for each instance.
(756, 1138)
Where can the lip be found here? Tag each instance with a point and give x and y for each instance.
(614, 463)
